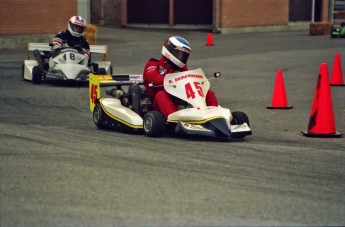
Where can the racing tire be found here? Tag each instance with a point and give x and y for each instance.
(101, 71)
(111, 70)
(37, 74)
(239, 118)
(134, 95)
(154, 124)
(99, 117)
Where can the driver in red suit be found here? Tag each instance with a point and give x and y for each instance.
(175, 53)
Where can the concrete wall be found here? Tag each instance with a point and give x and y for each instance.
(18, 17)
(235, 13)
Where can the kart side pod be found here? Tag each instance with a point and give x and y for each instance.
(110, 112)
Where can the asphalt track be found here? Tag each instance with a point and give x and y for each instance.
(58, 169)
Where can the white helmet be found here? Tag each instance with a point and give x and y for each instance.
(177, 50)
(76, 25)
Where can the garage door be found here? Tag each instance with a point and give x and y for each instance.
(193, 12)
(300, 10)
(148, 11)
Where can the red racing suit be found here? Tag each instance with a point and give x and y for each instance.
(154, 73)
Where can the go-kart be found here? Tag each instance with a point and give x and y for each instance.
(69, 64)
(338, 32)
(132, 110)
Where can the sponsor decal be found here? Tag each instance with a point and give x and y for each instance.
(194, 127)
(182, 49)
(136, 77)
(240, 128)
(187, 76)
(162, 71)
(69, 50)
(151, 68)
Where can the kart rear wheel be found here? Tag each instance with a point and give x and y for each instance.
(99, 117)
(239, 118)
(154, 124)
(334, 36)
(37, 74)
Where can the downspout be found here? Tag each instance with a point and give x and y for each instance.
(124, 12)
(331, 11)
(313, 11)
(217, 16)
(101, 21)
(171, 13)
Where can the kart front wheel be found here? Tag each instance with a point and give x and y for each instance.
(239, 118)
(37, 74)
(154, 124)
(99, 117)
(334, 35)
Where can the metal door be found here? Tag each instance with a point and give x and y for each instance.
(300, 10)
(193, 12)
(148, 11)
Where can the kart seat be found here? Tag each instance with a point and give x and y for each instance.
(42, 58)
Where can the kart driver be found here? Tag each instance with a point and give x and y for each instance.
(175, 53)
(72, 36)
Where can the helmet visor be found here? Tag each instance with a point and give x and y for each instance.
(77, 28)
(181, 55)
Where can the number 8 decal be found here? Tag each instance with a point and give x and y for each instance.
(71, 56)
(190, 92)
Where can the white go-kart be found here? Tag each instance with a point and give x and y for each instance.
(66, 64)
(132, 110)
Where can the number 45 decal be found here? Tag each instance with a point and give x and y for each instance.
(190, 91)
(93, 93)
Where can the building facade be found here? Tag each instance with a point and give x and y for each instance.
(218, 15)
(19, 17)
(23, 17)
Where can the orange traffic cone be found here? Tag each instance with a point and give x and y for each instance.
(209, 40)
(279, 100)
(321, 123)
(337, 72)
